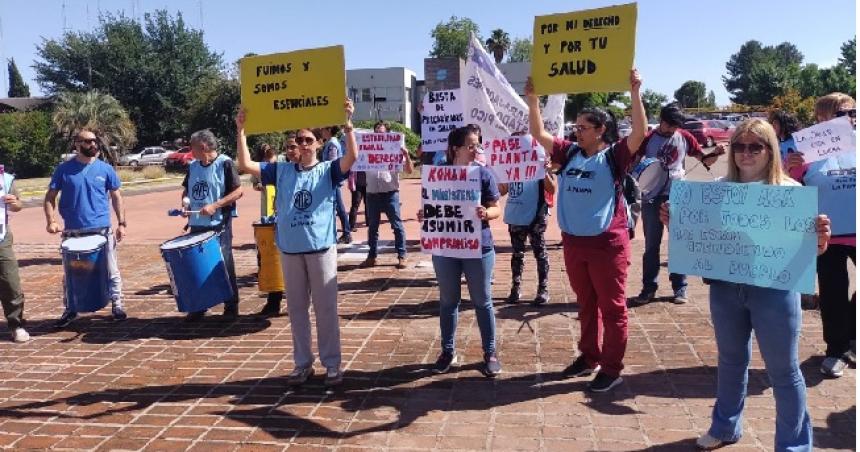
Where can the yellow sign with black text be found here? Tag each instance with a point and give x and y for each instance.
(584, 51)
(285, 91)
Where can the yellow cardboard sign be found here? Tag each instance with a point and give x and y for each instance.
(584, 51)
(269, 192)
(284, 91)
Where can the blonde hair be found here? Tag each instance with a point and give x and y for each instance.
(827, 106)
(764, 132)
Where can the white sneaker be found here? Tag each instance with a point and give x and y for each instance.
(833, 367)
(708, 442)
(20, 335)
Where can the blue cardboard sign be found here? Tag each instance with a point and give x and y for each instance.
(757, 234)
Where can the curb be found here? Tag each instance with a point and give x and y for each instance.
(133, 183)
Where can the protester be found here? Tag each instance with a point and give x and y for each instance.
(383, 195)
(332, 150)
(838, 201)
(593, 221)
(784, 123)
(306, 237)
(86, 184)
(357, 184)
(11, 295)
(267, 154)
(525, 214)
(775, 315)
(670, 144)
(212, 184)
(462, 146)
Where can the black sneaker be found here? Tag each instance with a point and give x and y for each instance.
(644, 297)
(444, 362)
(492, 366)
(194, 317)
(345, 239)
(680, 296)
(271, 309)
(603, 382)
(118, 314)
(580, 368)
(65, 319)
(541, 298)
(514, 296)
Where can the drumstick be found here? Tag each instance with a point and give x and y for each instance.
(179, 212)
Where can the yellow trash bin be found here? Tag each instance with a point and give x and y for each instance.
(270, 278)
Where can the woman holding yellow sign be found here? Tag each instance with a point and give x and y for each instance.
(305, 234)
(593, 219)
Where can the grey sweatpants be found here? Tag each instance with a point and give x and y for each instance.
(312, 278)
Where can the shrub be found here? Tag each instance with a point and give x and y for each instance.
(154, 172)
(27, 146)
(126, 175)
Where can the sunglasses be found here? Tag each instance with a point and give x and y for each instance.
(852, 113)
(304, 141)
(750, 149)
(85, 140)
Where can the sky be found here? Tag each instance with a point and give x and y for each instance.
(676, 40)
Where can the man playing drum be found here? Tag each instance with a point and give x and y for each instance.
(669, 144)
(87, 183)
(213, 187)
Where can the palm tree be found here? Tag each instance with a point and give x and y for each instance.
(98, 112)
(498, 43)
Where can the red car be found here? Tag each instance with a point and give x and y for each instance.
(179, 160)
(709, 131)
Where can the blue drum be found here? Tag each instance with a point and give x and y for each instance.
(197, 271)
(87, 279)
(652, 176)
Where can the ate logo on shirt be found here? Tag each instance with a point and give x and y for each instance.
(302, 200)
(200, 191)
(515, 189)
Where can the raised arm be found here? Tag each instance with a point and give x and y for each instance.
(535, 120)
(351, 154)
(408, 166)
(246, 165)
(639, 119)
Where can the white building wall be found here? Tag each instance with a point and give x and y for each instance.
(367, 88)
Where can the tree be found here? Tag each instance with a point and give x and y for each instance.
(712, 99)
(451, 39)
(607, 101)
(153, 69)
(803, 108)
(27, 143)
(809, 81)
(756, 73)
(215, 109)
(837, 79)
(17, 87)
(653, 101)
(98, 112)
(848, 60)
(521, 50)
(498, 43)
(691, 94)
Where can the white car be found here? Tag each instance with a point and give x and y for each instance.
(152, 155)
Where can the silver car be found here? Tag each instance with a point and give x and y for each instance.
(152, 155)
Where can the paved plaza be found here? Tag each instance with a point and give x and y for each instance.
(155, 383)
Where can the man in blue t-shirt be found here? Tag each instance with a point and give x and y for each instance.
(89, 187)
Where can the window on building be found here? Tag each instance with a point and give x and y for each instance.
(365, 95)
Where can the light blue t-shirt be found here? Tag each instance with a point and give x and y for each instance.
(305, 204)
(84, 193)
(523, 202)
(586, 195)
(836, 179)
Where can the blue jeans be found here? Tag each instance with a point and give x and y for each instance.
(341, 211)
(374, 205)
(478, 273)
(775, 316)
(653, 237)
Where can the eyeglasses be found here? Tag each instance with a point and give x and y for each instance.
(304, 141)
(747, 148)
(292, 147)
(852, 113)
(85, 140)
(578, 127)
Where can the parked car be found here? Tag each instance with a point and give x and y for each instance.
(624, 130)
(152, 155)
(709, 131)
(179, 160)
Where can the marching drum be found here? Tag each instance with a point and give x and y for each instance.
(652, 176)
(86, 273)
(197, 271)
